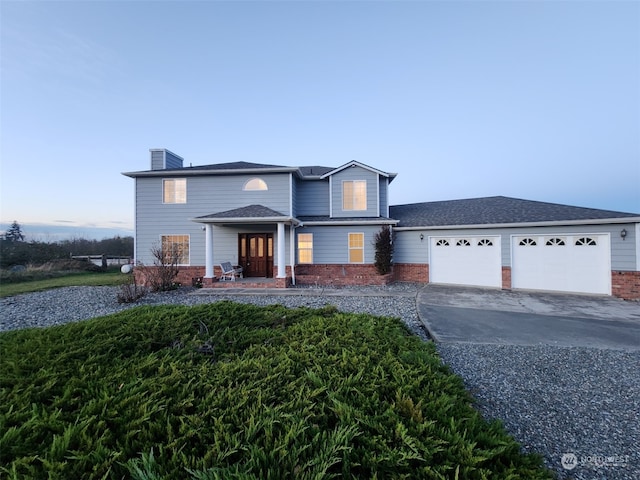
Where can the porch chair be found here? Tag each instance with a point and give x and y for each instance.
(229, 272)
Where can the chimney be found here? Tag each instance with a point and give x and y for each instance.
(163, 159)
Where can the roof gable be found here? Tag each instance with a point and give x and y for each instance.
(354, 163)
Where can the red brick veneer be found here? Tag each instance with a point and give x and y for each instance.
(625, 285)
(411, 272)
(340, 275)
(506, 278)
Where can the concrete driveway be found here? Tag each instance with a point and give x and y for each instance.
(486, 316)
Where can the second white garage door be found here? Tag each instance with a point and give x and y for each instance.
(566, 263)
(473, 261)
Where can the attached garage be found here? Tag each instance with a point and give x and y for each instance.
(579, 263)
(465, 260)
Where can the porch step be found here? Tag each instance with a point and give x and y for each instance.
(249, 283)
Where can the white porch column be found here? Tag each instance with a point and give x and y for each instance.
(208, 251)
(282, 269)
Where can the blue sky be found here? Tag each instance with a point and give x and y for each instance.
(535, 100)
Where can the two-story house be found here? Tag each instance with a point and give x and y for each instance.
(266, 218)
(316, 225)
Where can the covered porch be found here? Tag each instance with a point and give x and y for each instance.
(266, 268)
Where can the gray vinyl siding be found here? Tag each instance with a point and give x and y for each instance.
(312, 198)
(171, 160)
(294, 195)
(205, 195)
(409, 249)
(331, 244)
(157, 159)
(384, 196)
(355, 173)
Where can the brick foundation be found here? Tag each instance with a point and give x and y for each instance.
(340, 275)
(185, 276)
(411, 272)
(625, 285)
(506, 278)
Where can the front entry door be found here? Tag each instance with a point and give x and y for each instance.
(256, 254)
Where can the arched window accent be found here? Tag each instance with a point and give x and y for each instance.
(527, 242)
(442, 243)
(463, 242)
(585, 241)
(255, 184)
(485, 242)
(555, 242)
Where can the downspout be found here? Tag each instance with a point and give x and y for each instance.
(292, 251)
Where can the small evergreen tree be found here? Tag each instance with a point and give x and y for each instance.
(14, 234)
(383, 243)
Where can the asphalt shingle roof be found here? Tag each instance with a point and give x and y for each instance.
(327, 218)
(251, 211)
(493, 210)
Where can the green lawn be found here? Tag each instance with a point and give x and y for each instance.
(66, 280)
(231, 391)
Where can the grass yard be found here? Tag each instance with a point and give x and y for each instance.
(231, 391)
(66, 279)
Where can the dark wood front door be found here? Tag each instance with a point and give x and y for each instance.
(255, 252)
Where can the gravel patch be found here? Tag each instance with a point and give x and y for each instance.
(580, 404)
(72, 304)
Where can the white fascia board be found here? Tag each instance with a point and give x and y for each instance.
(354, 163)
(250, 220)
(603, 221)
(335, 222)
(192, 171)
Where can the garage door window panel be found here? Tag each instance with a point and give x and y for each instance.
(586, 241)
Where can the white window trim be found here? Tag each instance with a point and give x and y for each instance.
(164, 201)
(354, 197)
(349, 248)
(189, 243)
(263, 187)
(306, 249)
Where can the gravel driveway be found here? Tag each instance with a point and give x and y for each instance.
(577, 406)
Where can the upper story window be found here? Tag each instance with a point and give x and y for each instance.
(255, 184)
(174, 190)
(354, 195)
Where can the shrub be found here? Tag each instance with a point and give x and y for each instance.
(160, 277)
(237, 391)
(383, 250)
(130, 291)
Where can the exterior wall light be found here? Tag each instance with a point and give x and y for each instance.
(421, 237)
(623, 233)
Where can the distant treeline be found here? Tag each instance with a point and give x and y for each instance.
(16, 252)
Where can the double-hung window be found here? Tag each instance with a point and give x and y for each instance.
(174, 190)
(356, 248)
(354, 195)
(305, 248)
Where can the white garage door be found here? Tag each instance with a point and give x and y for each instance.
(567, 263)
(471, 261)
